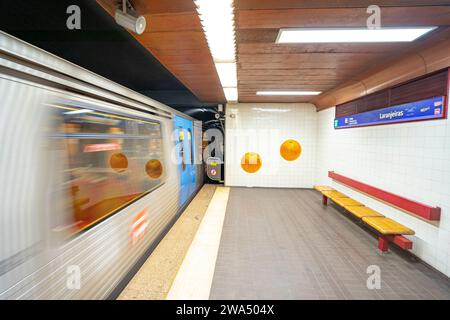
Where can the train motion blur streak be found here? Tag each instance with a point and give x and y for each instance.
(91, 176)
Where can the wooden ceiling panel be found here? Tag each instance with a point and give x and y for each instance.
(303, 58)
(182, 40)
(183, 21)
(348, 17)
(305, 4)
(266, 65)
(273, 48)
(163, 6)
(175, 37)
(304, 72)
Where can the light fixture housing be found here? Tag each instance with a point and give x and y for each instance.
(288, 93)
(128, 19)
(351, 35)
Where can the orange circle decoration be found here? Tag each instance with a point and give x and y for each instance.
(251, 162)
(118, 162)
(154, 168)
(290, 150)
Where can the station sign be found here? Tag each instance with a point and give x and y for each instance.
(433, 108)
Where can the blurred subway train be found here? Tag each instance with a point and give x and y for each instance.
(92, 175)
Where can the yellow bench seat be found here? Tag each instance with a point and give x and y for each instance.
(361, 211)
(323, 188)
(346, 202)
(387, 226)
(333, 194)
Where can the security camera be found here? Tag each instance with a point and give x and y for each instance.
(134, 24)
(130, 22)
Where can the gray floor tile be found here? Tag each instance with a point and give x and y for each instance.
(283, 244)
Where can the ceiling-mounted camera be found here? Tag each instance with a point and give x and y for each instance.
(128, 18)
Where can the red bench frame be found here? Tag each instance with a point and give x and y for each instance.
(383, 240)
(425, 211)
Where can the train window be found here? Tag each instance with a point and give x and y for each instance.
(191, 145)
(111, 161)
(181, 141)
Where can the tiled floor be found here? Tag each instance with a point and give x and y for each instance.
(283, 244)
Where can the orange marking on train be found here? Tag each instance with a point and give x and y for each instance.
(139, 226)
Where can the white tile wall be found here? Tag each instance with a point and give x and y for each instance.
(262, 128)
(410, 159)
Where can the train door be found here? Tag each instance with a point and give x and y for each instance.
(185, 147)
(192, 169)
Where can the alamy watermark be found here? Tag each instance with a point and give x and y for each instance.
(73, 281)
(73, 22)
(374, 280)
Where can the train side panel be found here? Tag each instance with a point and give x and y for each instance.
(36, 262)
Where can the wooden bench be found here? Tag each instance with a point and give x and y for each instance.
(333, 194)
(388, 229)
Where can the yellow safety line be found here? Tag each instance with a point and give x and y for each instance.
(195, 275)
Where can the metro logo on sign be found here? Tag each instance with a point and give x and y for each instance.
(139, 226)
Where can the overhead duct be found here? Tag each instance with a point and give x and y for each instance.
(405, 68)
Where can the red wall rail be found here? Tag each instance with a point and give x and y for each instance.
(420, 209)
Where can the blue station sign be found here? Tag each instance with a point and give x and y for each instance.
(415, 111)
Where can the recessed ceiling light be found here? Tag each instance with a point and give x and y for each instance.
(231, 94)
(349, 35)
(288, 93)
(227, 73)
(217, 19)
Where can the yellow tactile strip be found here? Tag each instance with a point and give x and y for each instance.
(154, 280)
(387, 226)
(361, 212)
(343, 202)
(195, 276)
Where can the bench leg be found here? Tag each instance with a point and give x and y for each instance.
(324, 200)
(383, 244)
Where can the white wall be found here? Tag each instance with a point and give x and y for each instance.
(262, 128)
(410, 159)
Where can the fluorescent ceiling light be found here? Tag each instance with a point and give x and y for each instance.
(227, 73)
(288, 93)
(217, 19)
(351, 35)
(231, 94)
